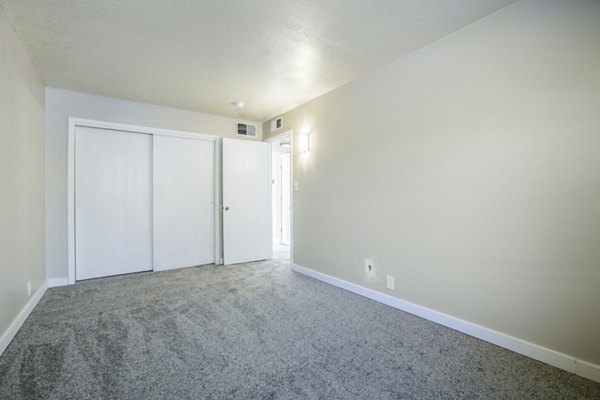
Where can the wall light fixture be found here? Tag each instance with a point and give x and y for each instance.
(304, 142)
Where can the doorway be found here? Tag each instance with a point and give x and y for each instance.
(281, 175)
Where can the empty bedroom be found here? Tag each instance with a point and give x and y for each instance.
(261, 199)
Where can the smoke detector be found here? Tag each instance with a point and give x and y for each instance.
(239, 104)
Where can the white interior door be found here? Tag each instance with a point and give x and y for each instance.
(285, 198)
(113, 202)
(246, 201)
(183, 202)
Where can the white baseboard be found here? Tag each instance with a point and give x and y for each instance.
(14, 327)
(548, 356)
(56, 282)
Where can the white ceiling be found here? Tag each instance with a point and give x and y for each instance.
(204, 54)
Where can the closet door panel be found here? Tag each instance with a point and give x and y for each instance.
(113, 202)
(183, 202)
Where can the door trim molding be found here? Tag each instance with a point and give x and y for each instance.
(75, 122)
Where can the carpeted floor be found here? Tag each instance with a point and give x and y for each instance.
(254, 331)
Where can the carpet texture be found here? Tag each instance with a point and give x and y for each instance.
(254, 331)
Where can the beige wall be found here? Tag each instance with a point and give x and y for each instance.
(62, 104)
(21, 176)
(470, 171)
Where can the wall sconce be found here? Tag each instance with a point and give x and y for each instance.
(304, 142)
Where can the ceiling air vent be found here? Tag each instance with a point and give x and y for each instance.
(276, 123)
(246, 129)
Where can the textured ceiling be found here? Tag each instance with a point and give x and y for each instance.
(203, 55)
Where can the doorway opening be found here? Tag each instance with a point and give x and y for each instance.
(281, 175)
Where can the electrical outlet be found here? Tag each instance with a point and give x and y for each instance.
(28, 288)
(369, 266)
(390, 282)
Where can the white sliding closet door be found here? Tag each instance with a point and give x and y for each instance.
(183, 202)
(113, 202)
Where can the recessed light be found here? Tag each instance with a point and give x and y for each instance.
(238, 104)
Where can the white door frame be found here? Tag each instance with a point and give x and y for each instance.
(278, 138)
(75, 122)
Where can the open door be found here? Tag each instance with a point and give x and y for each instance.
(246, 201)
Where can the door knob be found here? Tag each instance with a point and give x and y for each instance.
(226, 208)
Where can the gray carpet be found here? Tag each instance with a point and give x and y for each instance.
(254, 331)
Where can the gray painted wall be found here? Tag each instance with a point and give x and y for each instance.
(470, 171)
(62, 104)
(21, 176)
